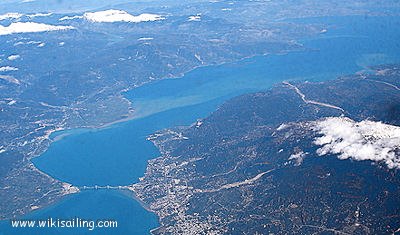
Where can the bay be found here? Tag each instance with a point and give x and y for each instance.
(118, 155)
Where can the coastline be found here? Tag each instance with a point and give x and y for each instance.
(130, 192)
(131, 115)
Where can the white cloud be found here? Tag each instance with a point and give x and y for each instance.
(27, 43)
(7, 68)
(40, 15)
(119, 16)
(13, 15)
(12, 102)
(10, 16)
(194, 18)
(10, 79)
(30, 27)
(13, 57)
(365, 140)
(70, 18)
(298, 157)
(145, 39)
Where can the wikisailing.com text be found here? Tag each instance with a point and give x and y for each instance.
(65, 223)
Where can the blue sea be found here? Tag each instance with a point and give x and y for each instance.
(117, 155)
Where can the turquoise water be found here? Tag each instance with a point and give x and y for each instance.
(118, 155)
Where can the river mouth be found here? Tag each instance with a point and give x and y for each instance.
(118, 155)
